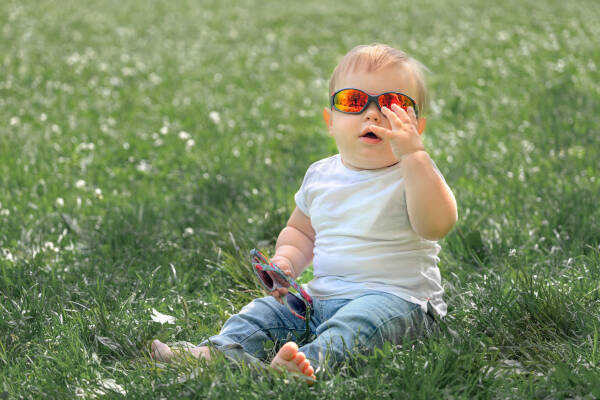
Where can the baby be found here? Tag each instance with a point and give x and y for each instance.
(368, 218)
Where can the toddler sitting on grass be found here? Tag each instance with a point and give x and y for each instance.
(368, 218)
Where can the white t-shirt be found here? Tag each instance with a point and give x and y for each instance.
(364, 240)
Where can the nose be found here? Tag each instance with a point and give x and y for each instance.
(372, 113)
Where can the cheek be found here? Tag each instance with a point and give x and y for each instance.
(343, 122)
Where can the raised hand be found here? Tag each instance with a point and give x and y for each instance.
(403, 135)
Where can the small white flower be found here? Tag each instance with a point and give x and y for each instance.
(80, 184)
(214, 117)
(188, 232)
(164, 130)
(155, 79)
(43, 117)
(98, 193)
(190, 143)
(14, 121)
(144, 166)
(59, 202)
(183, 135)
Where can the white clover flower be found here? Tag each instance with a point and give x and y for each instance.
(43, 117)
(98, 193)
(214, 117)
(188, 232)
(164, 130)
(183, 135)
(144, 166)
(190, 143)
(59, 202)
(80, 184)
(14, 121)
(155, 79)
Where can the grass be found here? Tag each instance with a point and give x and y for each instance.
(146, 147)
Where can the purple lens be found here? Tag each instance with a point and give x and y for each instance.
(296, 304)
(266, 280)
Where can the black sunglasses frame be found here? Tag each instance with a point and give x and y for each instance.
(372, 99)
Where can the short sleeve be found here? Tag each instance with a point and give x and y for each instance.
(301, 196)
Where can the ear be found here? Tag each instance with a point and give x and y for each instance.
(327, 118)
(421, 125)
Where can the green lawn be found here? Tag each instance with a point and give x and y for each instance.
(146, 146)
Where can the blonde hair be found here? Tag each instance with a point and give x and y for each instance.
(377, 56)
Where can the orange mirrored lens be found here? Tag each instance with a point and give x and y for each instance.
(350, 100)
(387, 99)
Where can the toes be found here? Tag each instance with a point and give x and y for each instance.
(299, 358)
(304, 365)
(309, 371)
(288, 351)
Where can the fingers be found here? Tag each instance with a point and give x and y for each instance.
(381, 131)
(412, 115)
(392, 116)
(279, 294)
(398, 116)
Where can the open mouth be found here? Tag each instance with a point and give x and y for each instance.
(370, 135)
(370, 138)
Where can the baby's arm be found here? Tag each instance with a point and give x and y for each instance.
(294, 247)
(430, 202)
(295, 243)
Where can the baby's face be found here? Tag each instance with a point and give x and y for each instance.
(348, 130)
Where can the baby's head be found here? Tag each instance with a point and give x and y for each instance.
(373, 69)
(375, 57)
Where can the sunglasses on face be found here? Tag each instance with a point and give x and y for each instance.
(297, 300)
(355, 101)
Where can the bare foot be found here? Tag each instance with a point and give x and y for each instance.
(290, 359)
(162, 352)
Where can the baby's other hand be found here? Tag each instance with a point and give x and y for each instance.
(285, 265)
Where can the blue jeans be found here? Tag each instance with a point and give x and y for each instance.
(341, 326)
